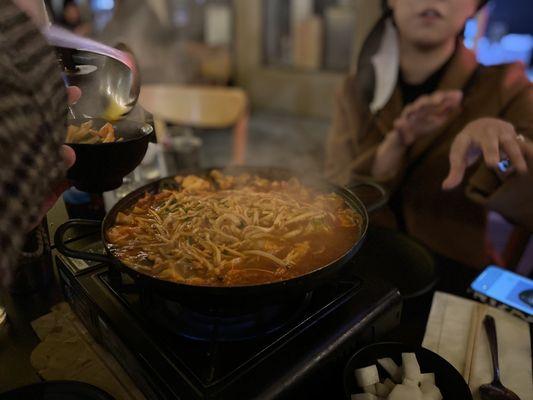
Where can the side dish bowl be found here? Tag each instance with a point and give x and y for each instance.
(447, 378)
(101, 167)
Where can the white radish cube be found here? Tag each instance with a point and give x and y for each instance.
(363, 396)
(370, 389)
(382, 390)
(392, 368)
(411, 369)
(390, 384)
(404, 392)
(428, 378)
(430, 392)
(367, 376)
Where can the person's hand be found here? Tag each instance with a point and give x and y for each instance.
(427, 114)
(69, 158)
(494, 140)
(74, 94)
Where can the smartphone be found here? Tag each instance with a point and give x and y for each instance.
(505, 290)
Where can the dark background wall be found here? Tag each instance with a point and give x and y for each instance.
(516, 14)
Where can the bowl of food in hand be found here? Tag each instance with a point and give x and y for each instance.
(395, 371)
(105, 152)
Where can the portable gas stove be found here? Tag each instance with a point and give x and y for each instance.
(293, 350)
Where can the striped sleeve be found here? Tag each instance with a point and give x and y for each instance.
(32, 129)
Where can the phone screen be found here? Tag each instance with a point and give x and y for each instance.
(506, 287)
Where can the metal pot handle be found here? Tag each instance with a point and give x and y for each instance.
(59, 240)
(384, 194)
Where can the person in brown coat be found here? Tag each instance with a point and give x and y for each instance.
(449, 138)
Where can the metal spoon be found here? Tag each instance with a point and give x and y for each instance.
(108, 77)
(494, 390)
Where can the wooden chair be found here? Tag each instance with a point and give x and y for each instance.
(200, 107)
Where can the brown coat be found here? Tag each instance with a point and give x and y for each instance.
(451, 223)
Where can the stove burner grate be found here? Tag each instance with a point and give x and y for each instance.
(219, 324)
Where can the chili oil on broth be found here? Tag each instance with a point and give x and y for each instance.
(233, 231)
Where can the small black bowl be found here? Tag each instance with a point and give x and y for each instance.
(100, 167)
(447, 378)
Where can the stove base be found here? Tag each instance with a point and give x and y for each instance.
(301, 360)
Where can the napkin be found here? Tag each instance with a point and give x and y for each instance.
(68, 352)
(455, 331)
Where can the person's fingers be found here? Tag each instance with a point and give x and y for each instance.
(428, 112)
(52, 198)
(446, 110)
(422, 103)
(452, 101)
(69, 156)
(453, 95)
(437, 98)
(400, 122)
(421, 115)
(513, 150)
(421, 100)
(527, 149)
(416, 106)
(441, 103)
(490, 147)
(407, 111)
(74, 94)
(446, 103)
(402, 127)
(458, 162)
(403, 124)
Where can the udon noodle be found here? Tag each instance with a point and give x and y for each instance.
(227, 230)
